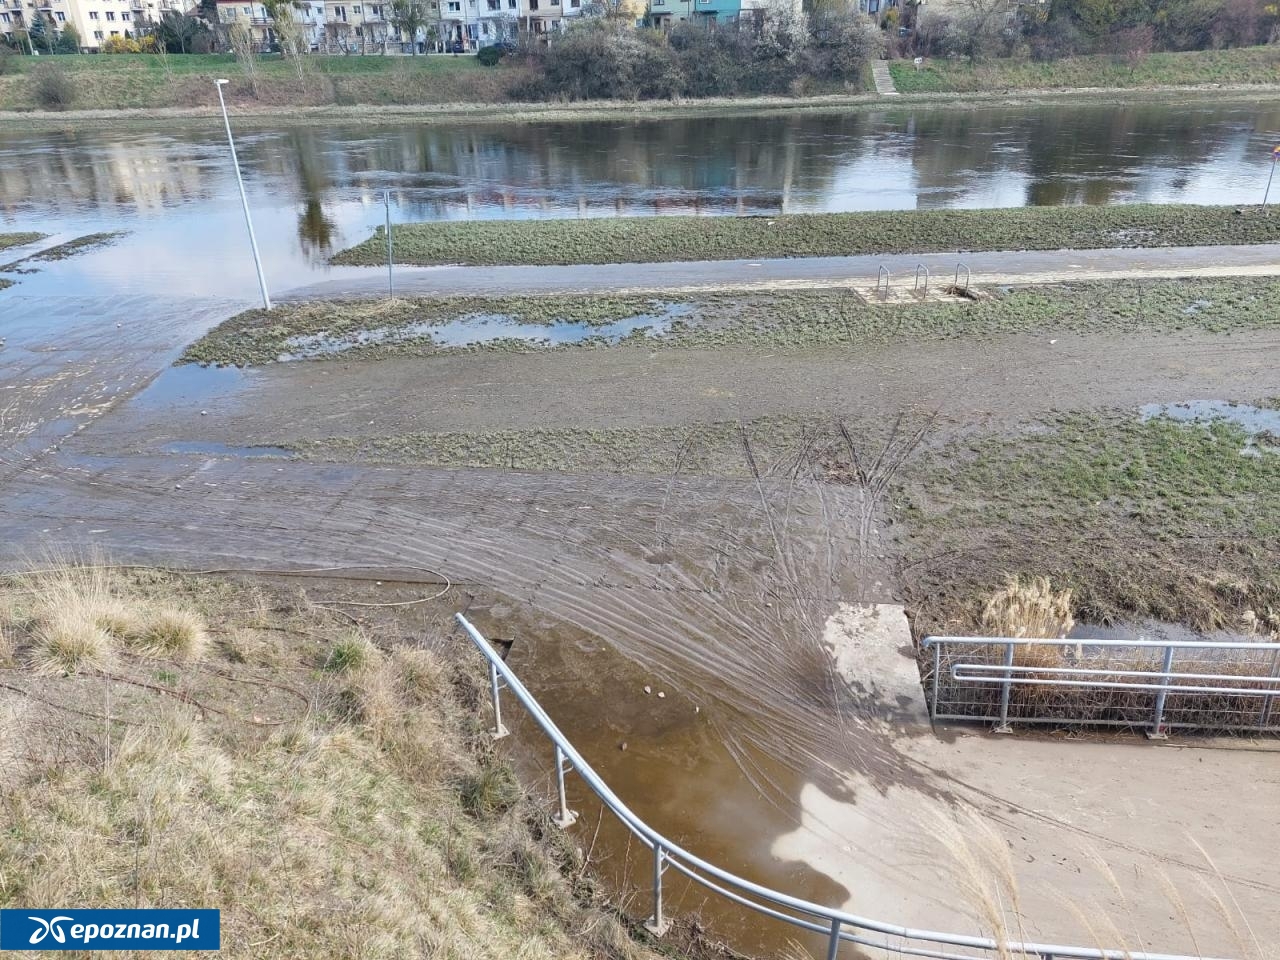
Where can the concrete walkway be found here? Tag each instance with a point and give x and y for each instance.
(884, 79)
(998, 267)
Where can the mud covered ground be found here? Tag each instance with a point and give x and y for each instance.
(695, 517)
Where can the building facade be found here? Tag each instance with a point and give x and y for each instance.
(94, 20)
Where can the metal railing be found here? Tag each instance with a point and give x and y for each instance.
(1158, 685)
(836, 926)
(920, 267)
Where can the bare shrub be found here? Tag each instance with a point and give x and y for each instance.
(53, 89)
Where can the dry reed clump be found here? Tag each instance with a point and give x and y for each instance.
(69, 643)
(1028, 609)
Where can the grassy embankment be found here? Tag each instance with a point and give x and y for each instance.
(788, 318)
(1145, 518)
(177, 741)
(1243, 66)
(659, 239)
(120, 81)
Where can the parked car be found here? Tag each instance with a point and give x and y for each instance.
(455, 46)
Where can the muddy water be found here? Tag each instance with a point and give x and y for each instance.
(316, 190)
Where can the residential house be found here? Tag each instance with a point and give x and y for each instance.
(542, 18)
(250, 14)
(356, 26)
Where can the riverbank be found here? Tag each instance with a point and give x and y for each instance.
(248, 745)
(458, 111)
(125, 82)
(673, 239)
(1240, 66)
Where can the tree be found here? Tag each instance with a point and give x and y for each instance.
(41, 33)
(408, 17)
(68, 40)
(181, 32)
(1132, 45)
(623, 11)
(246, 52)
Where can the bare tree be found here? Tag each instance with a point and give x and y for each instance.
(246, 53)
(408, 17)
(1133, 44)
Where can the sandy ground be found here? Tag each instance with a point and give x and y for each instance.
(719, 593)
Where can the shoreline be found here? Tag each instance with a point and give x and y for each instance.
(464, 113)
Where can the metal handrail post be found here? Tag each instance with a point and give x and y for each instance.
(937, 671)
(657, 924)
(882, 271)
(1006, 689)
(1268, 701)
(968, 277)
(1157, 719)
(833, 945)
(499, 731)
(925, 291)
(566, 817)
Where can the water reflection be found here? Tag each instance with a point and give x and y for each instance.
(316, 188)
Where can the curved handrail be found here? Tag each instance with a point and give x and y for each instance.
(826, 920)
(919, 267)
(882, 272)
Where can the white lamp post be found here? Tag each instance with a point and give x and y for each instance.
(244, 200)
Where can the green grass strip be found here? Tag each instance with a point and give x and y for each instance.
(8, 240)
(659, 239)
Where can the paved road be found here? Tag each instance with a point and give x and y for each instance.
(987, 268)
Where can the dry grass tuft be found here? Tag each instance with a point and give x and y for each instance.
(70, 643)
(352, 654)
(171, 633)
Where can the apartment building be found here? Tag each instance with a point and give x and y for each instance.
(310, 16)
(94, 20)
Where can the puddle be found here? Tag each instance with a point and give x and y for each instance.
(486, 328)
(189, 384)
(1261, 423)
(1157, 630)
(224, 450)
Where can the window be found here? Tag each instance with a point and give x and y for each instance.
(97, 34)
(494, 5)
(93, 14)
(125, 15)
(247, 11)
(455, 6)
(62, 17)
(511, 4)
(356, 8)
(111, 14)
(115, 33)
(533, 4)
(4, 18)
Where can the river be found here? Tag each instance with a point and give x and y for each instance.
(316, 189)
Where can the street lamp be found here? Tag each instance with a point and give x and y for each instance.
(244, 200)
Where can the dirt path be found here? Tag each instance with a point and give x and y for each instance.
(1001, 267)
(992, 383)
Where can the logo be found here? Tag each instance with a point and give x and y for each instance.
(47, 927)
(110, 930)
